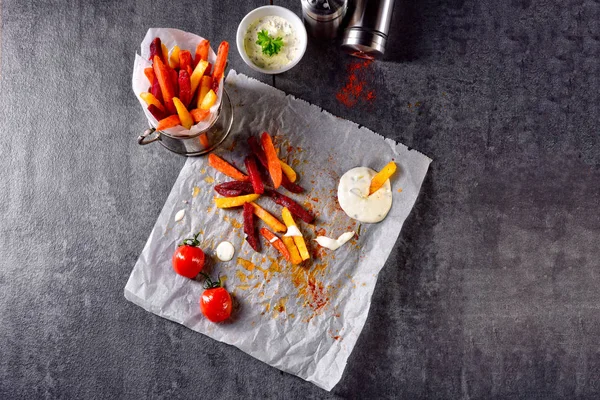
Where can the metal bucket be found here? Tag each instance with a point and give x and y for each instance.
(201, 143)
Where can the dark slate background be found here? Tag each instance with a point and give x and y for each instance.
(492, 290)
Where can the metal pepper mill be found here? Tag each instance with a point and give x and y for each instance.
(368, 28)
(323, 18)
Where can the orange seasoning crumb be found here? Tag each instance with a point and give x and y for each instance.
(246, 264)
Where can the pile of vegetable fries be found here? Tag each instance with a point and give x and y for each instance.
(182, 89)
(264, 168)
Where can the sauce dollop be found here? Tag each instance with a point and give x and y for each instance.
(277, 27)
(353, 196)
(225, 251)
(334, 244)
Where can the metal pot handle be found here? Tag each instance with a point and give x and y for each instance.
(143, 138)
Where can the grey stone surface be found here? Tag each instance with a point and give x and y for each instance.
(491, 291)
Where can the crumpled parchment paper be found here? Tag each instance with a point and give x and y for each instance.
(186, 41)
(302, 320)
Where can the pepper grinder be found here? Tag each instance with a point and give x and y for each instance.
(367, 31)
(323, 18)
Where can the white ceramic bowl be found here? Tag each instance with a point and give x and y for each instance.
(266, 11)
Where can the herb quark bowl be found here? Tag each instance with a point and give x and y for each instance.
(268, 11)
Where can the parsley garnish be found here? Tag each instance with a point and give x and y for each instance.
(270, 46)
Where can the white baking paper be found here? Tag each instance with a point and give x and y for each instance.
(302, 320)
(139, 82)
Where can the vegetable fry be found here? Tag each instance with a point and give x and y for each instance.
(254, 174)
(268, 218)
(258, 151)
(272, 159)
(276, 242)
(223, 166)
(220, 65)
(175, 80)
(197, 75)
(299, 240)
(229, 189)
(294, 207)
(156, 112)
(184, 114)
(379, 179)
(149, 72)
(291, 246)
(164, 53)
(229, 202)
(174, 57)
(250, 227)
(201, 52)
(185, 89)
(199, 115)
(150, 99)
(185, 61)
(155, 90)
(166, 85)
(292, 187)
(208, 100)
(229, 192)
(204, 140)
(155, 48)
(288, 171)
(168, 122)
(204, 88)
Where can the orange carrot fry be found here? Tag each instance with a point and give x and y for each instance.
(223, 166)
(199, 115)
(220, 65)
(201, 52)
(276, 242)
(272, 160)
(168, 122)
(149, 72)
(204, 140)
(268, 218)
(166, 84)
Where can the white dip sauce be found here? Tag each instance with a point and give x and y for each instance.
(277, 27)
(179, 216)
(353, 196)
(225, 251)
(334, 244)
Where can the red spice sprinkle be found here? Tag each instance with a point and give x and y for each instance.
(352, 92)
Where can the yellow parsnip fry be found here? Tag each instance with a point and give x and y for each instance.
(382, 176)
(228, 202)
(299, 240)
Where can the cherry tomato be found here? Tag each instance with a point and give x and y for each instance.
(215, 302)
(188, 259)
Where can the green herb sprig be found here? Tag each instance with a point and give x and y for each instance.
(270, 45)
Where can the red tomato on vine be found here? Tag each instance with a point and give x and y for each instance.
(188, 259)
